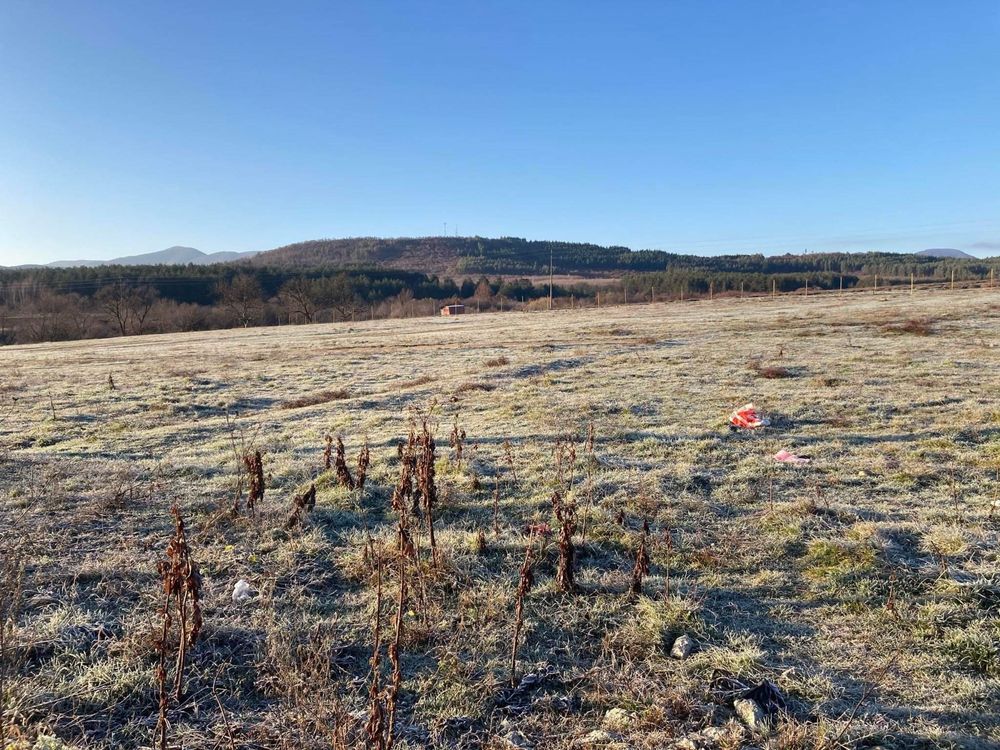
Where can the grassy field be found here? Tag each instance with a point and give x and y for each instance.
(863, 585)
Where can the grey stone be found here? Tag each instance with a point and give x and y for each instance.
(682, 647)
(517, 741)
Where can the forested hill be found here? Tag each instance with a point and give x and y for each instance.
(457, 256)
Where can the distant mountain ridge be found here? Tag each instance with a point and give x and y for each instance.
(176, 255)
(464, 256)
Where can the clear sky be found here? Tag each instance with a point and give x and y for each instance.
(700, 126)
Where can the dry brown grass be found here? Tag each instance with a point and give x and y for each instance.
(913, 326)
(315, 399)
(470, 386)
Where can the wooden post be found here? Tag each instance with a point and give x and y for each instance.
(711, 290)
(741, 290)
(875, 290)
(774, 288)
(625, 287)
(841, 283)
(991, 277)
(598, 300)
(807, 286)
(911, 283)
(953, 279)
(501, 303)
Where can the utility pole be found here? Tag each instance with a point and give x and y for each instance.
(550, 277)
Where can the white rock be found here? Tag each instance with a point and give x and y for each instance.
(243, 591)
(682, 647)
(618, 719)
(750, 713)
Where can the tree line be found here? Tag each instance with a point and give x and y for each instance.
(75, 303)
(52, 304)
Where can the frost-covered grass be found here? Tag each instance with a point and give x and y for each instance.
(869, 572)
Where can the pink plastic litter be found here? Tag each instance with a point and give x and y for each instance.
(790, 458)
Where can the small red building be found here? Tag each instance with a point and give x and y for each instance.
(453, 310)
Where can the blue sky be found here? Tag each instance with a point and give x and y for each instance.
(698, 126)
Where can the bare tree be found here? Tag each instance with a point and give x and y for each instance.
(242, 297)
(127, 305)
(338, 294)
(55, 317)
(299, 297)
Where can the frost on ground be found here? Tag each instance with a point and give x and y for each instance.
(852, 600)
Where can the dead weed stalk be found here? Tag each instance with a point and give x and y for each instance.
(181, 600)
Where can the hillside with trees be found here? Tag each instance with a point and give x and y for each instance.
(352, 279)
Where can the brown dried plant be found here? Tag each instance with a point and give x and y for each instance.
(425, 481)
(375, 728)
(340, 464)
(328, 453)
(566, 515)
(364, 460)
(525, 581)
(253, 463)
(404, 551)
(181, 600)
(591, 462)
(457, 440)
(301, 504)
(508, 452)
(641, 568)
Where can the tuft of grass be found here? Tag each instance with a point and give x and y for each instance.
(835, 560)
(913, 326)
(474, 385)
(497, 362)
(771, 372)
(314, 399)
(976, 648)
